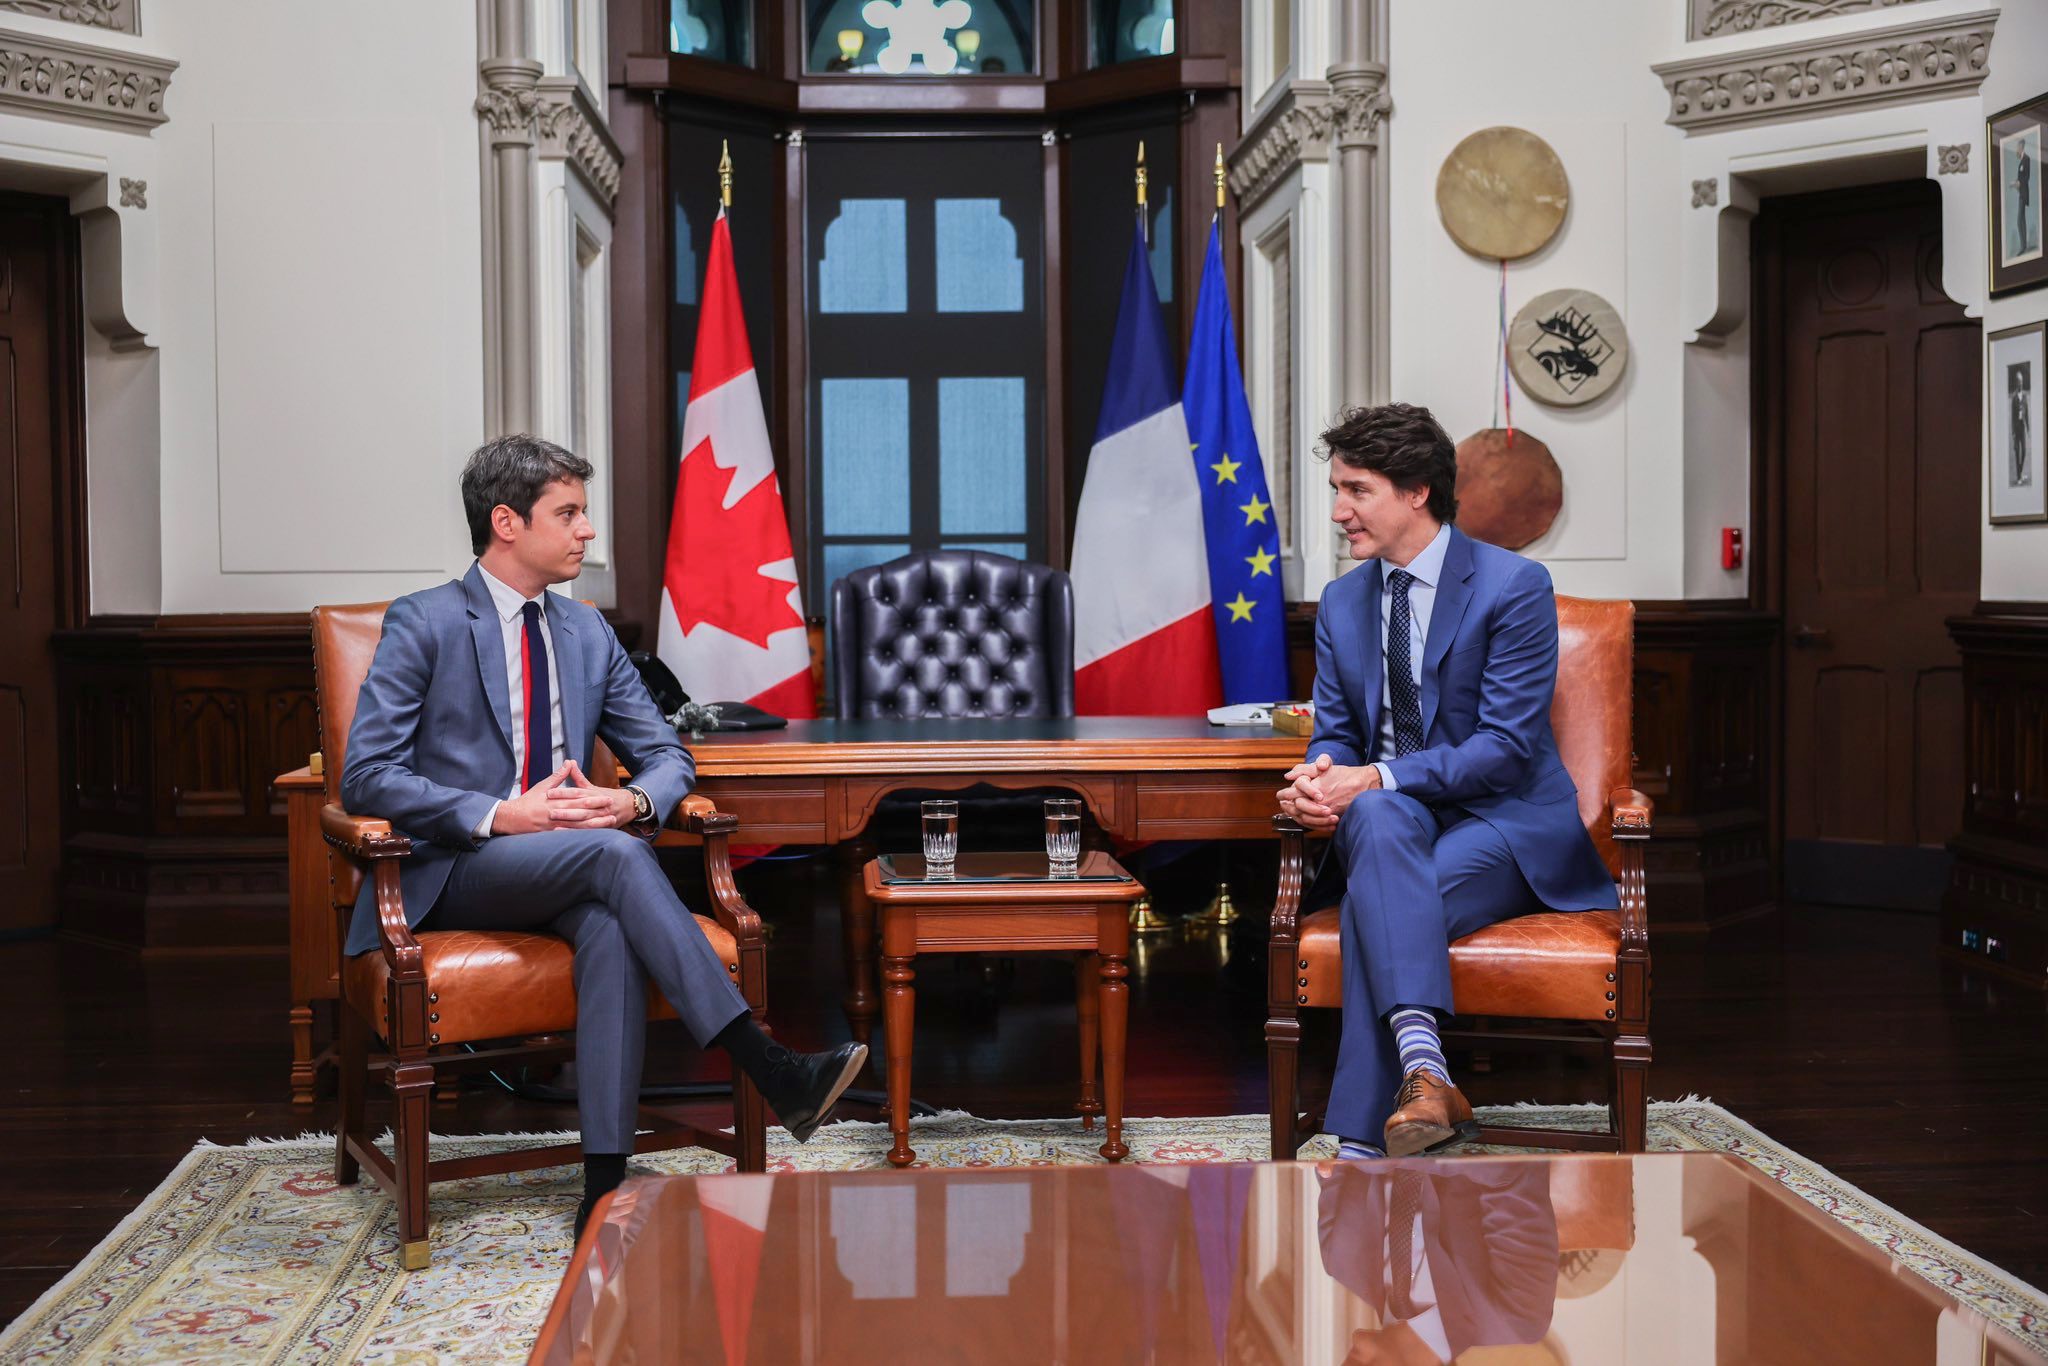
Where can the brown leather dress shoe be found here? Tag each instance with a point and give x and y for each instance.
(1428, 1114)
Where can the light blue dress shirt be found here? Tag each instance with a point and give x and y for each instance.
(1428, 568)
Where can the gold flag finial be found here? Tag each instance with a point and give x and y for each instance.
(724, 173)
(1141, 173)
(1220, 173)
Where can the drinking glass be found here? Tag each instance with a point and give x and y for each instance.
(1063, 836)
(941, 838)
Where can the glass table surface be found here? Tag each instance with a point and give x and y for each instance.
(1667, 1258)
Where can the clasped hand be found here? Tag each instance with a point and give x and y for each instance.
(564, 800)
(1318, 792)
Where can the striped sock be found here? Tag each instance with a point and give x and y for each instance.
(1351, 1150)
(1415, 1035)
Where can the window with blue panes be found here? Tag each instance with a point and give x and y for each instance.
(926, 350)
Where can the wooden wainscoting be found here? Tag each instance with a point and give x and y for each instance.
(170, 732)
(1995, 915)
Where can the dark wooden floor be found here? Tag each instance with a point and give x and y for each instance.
(1837, 1032)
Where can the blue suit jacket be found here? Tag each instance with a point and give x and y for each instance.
(1489, 674)
(431, 746)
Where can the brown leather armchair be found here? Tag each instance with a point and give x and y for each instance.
(1577, 980)
(445, 1002)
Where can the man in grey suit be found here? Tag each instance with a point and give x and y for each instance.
(472, 734)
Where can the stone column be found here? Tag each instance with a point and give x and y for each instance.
(1358, 95)
(508, 103)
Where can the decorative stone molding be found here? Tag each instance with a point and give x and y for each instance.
(510, 100)
(1955, 159)
(43, 76)
(1720, 18)
(134, 193)
(573, 131)
(1706, 193)
(1295, 128)
(1919, 61)
(122, 16)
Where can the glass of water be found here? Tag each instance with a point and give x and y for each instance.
(1063, 836)
(941, 838)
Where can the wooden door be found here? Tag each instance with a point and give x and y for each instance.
(1876, 417)
(37, 288)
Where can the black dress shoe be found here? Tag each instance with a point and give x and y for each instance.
(583, 1209)
(802, 1088)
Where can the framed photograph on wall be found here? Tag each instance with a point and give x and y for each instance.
(2015, 140)
(2016, 377)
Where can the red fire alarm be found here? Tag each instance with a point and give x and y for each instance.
(1731, 547)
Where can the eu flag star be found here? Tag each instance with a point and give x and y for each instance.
(1226, 469)
(1255, 510)
(1261, 562)
(1240, 610)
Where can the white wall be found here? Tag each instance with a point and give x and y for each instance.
(2015, 556)
(1456, 66)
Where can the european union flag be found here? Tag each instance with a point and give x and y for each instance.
(1237, 517)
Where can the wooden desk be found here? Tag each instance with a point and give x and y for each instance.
(1089, 916)
(821, 782)
(1143, 777)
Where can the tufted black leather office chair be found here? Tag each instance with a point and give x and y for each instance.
(953, 633)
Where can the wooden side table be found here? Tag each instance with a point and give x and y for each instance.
(1005, 903)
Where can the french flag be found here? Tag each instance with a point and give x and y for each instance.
(1144, 640)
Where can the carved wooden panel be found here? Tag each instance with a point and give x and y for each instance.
(291, 732)
(16, 796)
(208, 744)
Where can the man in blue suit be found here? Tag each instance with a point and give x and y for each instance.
(471, 735)
(1434, 766)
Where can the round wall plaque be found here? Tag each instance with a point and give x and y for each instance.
(1567, 347)
(1502, 193)
(1509, 491)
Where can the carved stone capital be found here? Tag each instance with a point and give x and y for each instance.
(56, 76)
(1295, 128)
(1358, 100)
(1930, 59)
(510, 99)
(119, 15)
(570, 129)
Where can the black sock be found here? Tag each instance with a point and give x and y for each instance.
(749, 1045)
(602, 1173)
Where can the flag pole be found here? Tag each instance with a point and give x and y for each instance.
(1144, 230)
(725, 174)
(1219, 180)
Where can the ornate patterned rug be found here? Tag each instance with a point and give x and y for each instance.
(253, 1254)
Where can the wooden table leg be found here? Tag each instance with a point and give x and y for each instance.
(304, 1071)
(857, 925)
(1087, 994)
(1115, 1015)
(900, 1006)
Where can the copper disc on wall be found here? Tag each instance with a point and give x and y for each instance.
(1509, 492)
(1502, 193)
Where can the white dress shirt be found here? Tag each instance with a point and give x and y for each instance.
(511, 605)
(1427, 567)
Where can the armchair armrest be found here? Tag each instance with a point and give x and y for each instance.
(369, 840)
(703, 819)
(1631, 813)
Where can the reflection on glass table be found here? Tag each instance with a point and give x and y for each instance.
(1668, 1258)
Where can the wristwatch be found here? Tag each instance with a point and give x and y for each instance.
(643, 806)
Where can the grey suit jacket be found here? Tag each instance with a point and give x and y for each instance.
(431, 747)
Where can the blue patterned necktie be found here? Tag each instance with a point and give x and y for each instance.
(1401, 667)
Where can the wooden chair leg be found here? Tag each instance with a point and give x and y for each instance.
(1631, 1103)
(1283, 1098)
(412, 1095)
(352, 1069)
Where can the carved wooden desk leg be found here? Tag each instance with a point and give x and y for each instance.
(1087, 992)
(900, 1004)
(1115, 1015)
(857, 924)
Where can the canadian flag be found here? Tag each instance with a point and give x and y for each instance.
(732, 622)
